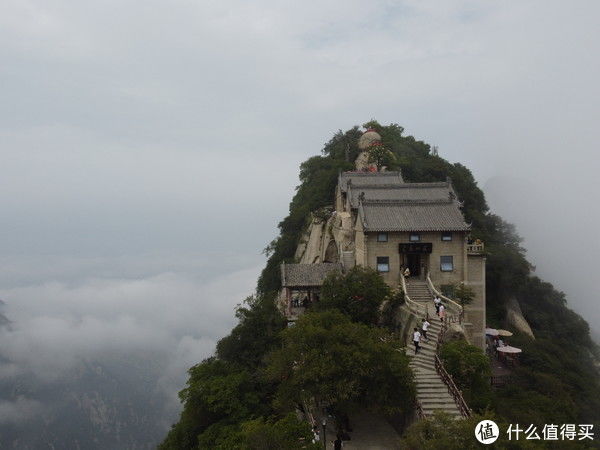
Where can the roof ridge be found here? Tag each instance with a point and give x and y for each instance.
(441, 201)
(401, 185)
(372, 174)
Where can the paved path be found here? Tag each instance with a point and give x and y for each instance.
(432, 393)
(369, 432)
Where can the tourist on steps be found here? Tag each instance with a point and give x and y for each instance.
(437, 301)
(424, 327)
(442, 312)
(406, 273)
(416, 339)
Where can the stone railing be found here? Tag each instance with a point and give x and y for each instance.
(417, 308)
(475, 248)
(456, 309)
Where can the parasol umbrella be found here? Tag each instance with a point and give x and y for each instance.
(509, 349)
(504, 333)
(491, 332)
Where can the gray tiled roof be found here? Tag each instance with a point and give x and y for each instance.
(369, 179)
(405, 191)
(306, 275)
(406, 215)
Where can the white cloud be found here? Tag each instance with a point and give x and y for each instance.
(19, 410)
(173, 319)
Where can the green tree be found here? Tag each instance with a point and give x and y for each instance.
(359, 293)
(464, 294)
(380, 156)
(328, 358)
(287, 433)
(257, 331)
(217, 392)
(444, 432)
(471, 371)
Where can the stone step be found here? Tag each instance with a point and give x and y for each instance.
(432, 402)
(433, 391)
(429, 347)
(422, 381)
(425, 382)
(427, 377)
(453, 414)
(440, 406)
(421, 364)
(431, 374)
(424, 358)
(426, 352)
(424, 373)
(430, 384)
(432, 397)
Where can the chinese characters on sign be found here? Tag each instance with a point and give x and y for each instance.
(421, 247)
(488, 432)
(551, 432)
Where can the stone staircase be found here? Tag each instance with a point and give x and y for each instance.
(432, 392)
(418, 291)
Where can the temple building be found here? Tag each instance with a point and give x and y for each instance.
(381, 221)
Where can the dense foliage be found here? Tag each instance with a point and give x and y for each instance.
(557, 381)
(358, 293)
(225, 392)
(444, 432)
(470, 369)
(329, 359)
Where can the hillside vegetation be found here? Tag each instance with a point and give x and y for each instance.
(252, 384)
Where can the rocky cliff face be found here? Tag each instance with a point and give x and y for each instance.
(326, 239)
(514, 317)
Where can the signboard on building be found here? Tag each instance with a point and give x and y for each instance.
(416, 247)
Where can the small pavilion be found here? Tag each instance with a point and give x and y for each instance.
(304, 280)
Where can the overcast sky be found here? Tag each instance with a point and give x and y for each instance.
(148, 149)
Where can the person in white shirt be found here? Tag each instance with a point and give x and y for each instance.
(316, 436)
(437, 302)
(424, 327)
(416, 339)
(442, 312)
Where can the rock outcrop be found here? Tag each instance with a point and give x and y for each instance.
(514, 317)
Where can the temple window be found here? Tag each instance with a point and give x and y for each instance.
(446, 263)
(383, 264)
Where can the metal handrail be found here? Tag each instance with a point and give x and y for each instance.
(456, 393)
(455, 305)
